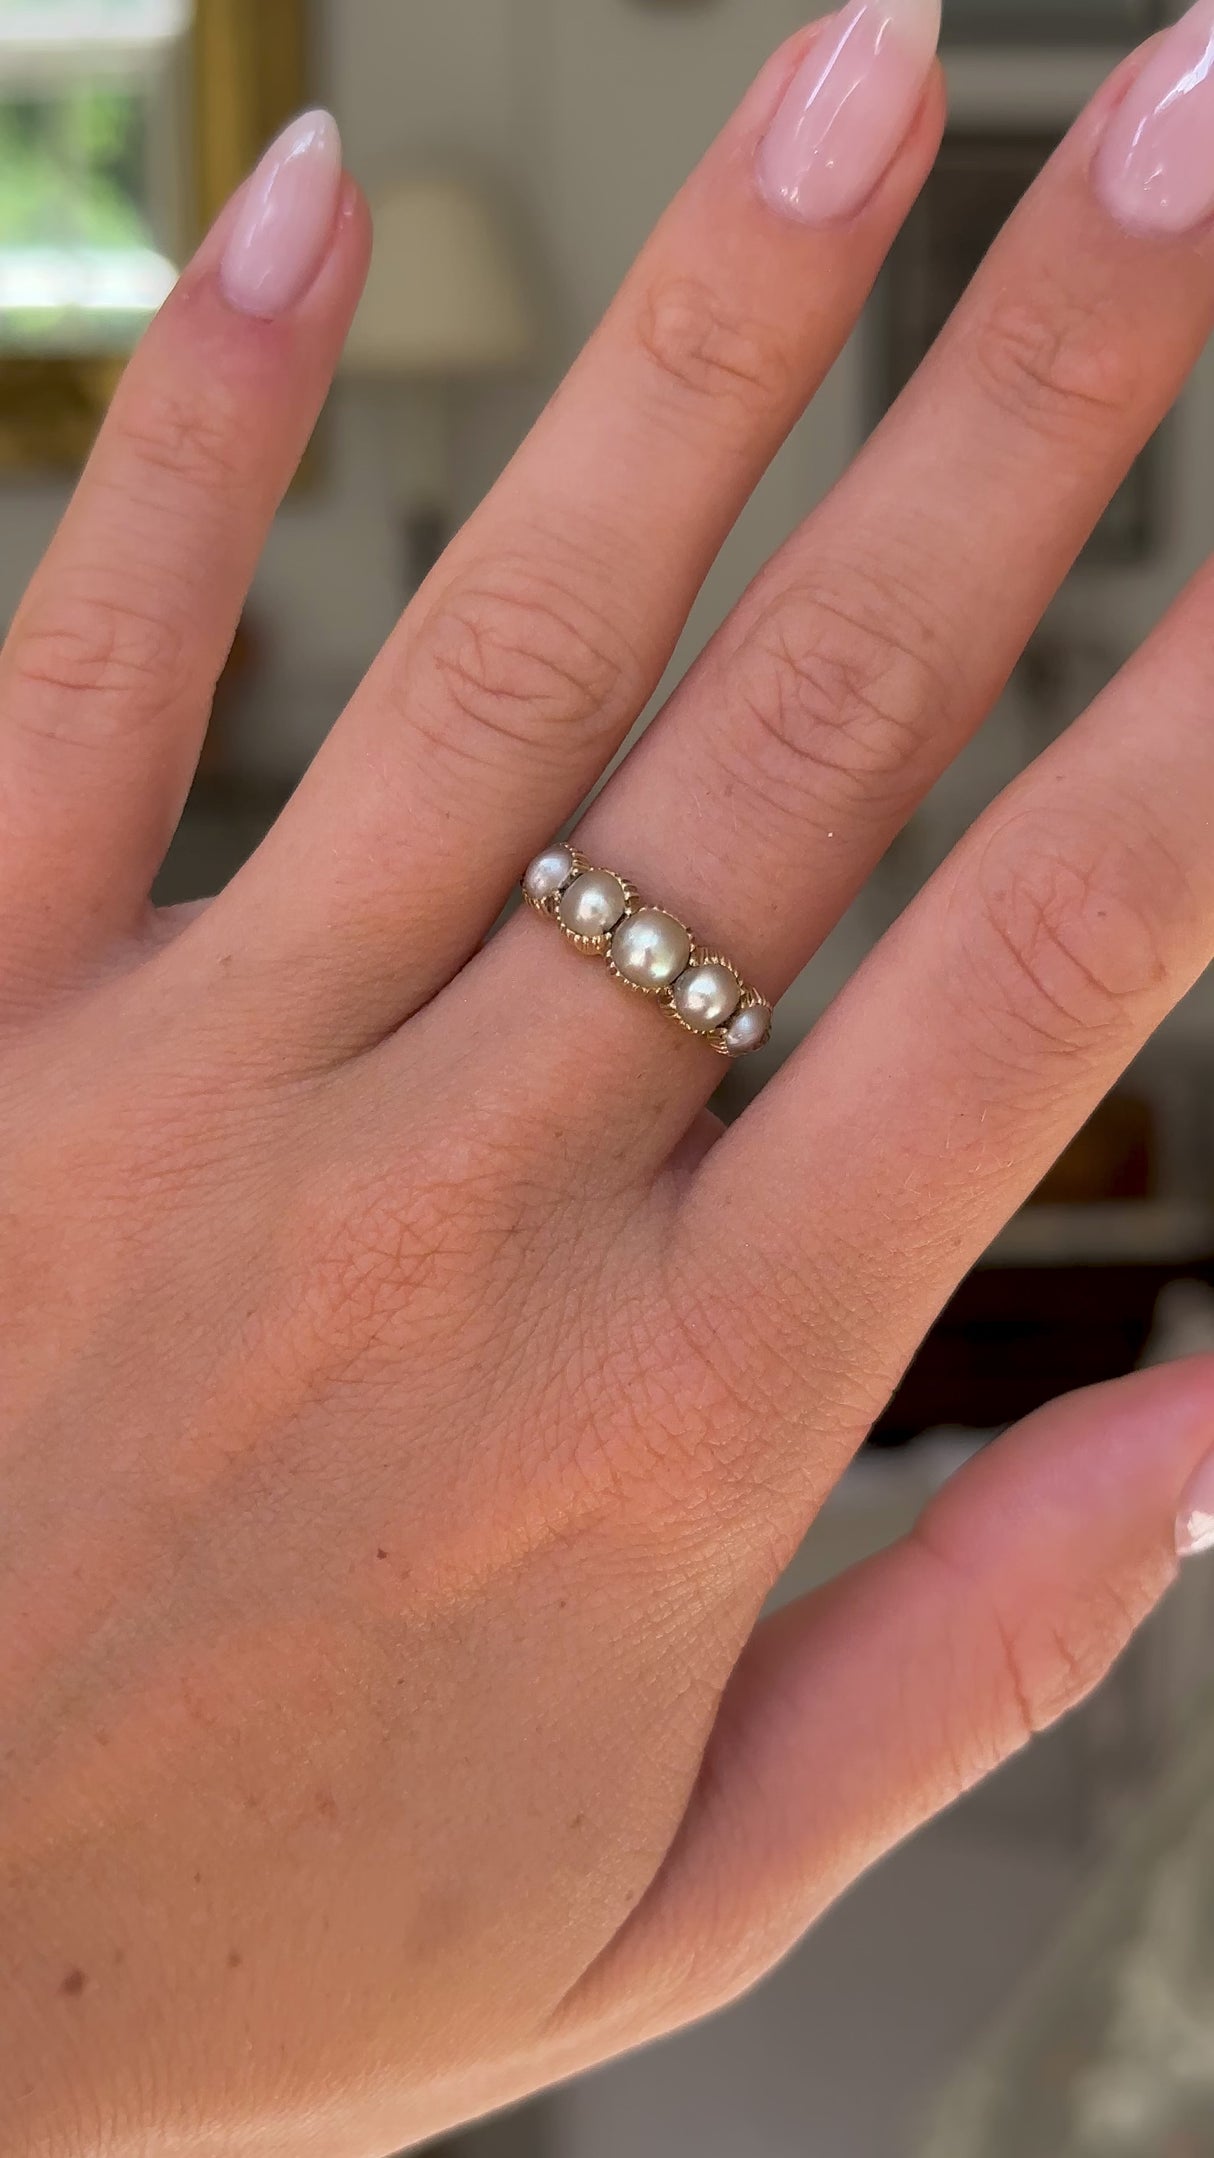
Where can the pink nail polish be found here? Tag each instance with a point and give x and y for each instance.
(285, 220)
(848, 109)
(1155, 167)
(1195, 1526)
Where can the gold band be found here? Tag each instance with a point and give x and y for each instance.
(649, 950)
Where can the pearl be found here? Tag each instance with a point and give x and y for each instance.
(748, 1029)
(593, 904)
(707, 997)
(549, 873)
(651, 950)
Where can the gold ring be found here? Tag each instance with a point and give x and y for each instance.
(650, 951)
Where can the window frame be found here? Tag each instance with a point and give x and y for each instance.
(247, 73)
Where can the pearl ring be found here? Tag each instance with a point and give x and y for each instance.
(648, 950)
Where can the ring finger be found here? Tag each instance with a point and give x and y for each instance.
(523, 663)
(874, 645)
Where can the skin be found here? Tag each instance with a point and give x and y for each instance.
(409, 1395)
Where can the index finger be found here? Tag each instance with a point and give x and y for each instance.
(525, 660)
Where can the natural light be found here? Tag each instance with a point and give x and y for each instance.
(28, 23)
(86, 106)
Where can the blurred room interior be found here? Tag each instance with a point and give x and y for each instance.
(516, 152)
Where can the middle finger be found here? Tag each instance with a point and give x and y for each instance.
(874, 645)
(524, 661)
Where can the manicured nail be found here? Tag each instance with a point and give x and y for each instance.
(1195, 1527)
(1155, 167)
(285, 219)
(849, 108)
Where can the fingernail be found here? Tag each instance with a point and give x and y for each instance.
(849, 108)
(1195, 1527)
(1155, 167)
(285, 221)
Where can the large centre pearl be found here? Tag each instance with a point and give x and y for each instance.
(707, 997)
(548, 874)
(593, 904)
(651, 950)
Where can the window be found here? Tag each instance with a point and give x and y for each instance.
(92, 120)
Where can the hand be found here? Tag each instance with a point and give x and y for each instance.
(410, 1396)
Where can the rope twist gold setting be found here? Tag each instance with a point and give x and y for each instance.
(649, 950)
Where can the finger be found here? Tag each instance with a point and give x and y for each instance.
(980, 1035)
(859, 1713)
(527, 657)
(107, 677)
(873, 647)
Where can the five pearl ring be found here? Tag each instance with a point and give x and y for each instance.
(648, 950)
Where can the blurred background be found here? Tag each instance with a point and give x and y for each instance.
(1034, 1976)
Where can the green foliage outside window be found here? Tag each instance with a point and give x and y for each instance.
(71, 170)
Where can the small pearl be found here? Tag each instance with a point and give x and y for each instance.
(593, 904)
(651, 950)
(707, 997)
(549, 873)
(748, 1029)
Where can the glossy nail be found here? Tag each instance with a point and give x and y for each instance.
(1155, 167)
(285, 219)
(849, 108)
(1195, 1526)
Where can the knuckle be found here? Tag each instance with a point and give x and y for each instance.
(1055, 361)
(201, 442)
(95, 664)
(1044, 1661)
(704, 352)
(836, 702)
(527, 659)
(1038, 1675)
(1062, 1660)
(1013, 1709)
(1067, 919)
